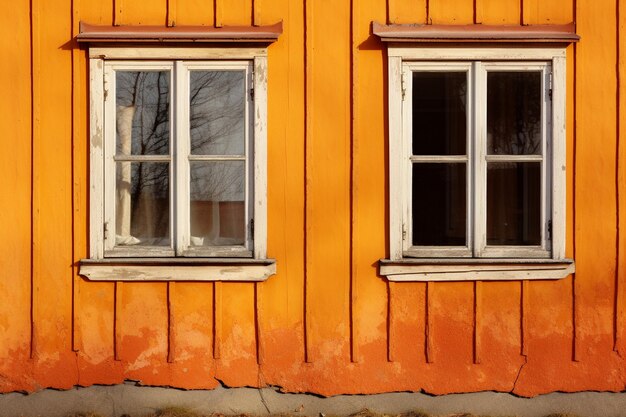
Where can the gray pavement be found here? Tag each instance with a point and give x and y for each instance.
(128, 398)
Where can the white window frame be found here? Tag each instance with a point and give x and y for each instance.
(402, 60)
(102, 62)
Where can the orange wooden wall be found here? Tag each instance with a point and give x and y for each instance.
(326, 323)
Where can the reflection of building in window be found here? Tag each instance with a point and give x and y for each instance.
(181, 157)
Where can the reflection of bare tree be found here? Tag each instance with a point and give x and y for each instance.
(514, 128)
(514, 113)
(143, 97)
(143, 128)
(216, 112)
(217, 128)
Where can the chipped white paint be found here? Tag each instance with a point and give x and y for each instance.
(502, 271)
(189, 272)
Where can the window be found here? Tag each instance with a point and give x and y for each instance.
(178, 158)
(178, 140)
(476, 160)
(476, 153)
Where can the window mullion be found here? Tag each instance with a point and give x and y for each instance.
(479, 151)
(180, 151)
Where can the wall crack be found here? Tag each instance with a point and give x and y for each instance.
(519, 373)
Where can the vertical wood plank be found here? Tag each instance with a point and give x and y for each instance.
(524, 318)
(403, 11)
(450, 334)
(257, 12)
(191, 335)
(35, 47)
(408, 323)
(235, 12)
(217, 320)
(94, 303)
(429, 333)
(369, 293)
(172, 12)
(499, 335)
(451, 11)
(144, 12)
(259, 336)
(143, 332)
(498, 12)
(15, 201)
(478, 320)
(195, 12)
(620, 324)
(55, 363)
(328, 195)
(237, 364)
(118, 8)
(547, 12)
(280, 310)
(171, 319)
(218, 11)
(596, 217)
(117, 320)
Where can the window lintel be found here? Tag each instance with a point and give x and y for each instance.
(476, 33)
(89, 33)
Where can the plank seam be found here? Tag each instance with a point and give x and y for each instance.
(617, 323)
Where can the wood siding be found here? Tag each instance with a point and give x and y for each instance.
(326, 322)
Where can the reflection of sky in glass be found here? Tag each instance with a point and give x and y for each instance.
(216, 128)
(217, 112)
(144, 96)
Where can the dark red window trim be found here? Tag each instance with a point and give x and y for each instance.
(476, 33)
(256, 34)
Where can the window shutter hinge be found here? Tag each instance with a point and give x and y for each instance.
(252, 227)
(106, 230)
(550, 229)
(252, 86)
(403, 89)
(550, 86)
(403, 234)
(105, 90)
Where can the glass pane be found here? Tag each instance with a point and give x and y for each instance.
(142, 112)
(142, 204)
(439, 113)
(217, 105)
(514, 113)
(439, 204)
(514, 203)
(218, 215)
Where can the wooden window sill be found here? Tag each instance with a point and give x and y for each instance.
(177, 269)
(459, 269)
